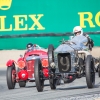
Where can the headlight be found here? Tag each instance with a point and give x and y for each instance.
(44, 62)
(21, 64)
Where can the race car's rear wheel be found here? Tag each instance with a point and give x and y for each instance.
(11, 76)
(22, 83)
(50, 54)
(99, 70)
(90, 73)
(58, 81)
(38, 75)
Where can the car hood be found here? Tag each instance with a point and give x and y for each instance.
(33, 57)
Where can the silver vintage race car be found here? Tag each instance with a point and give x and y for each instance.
(71, 60)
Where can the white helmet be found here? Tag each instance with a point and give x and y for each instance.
(78, 29)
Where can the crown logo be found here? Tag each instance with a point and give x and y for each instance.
(5, 4)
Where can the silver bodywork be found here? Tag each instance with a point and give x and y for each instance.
(72, 47)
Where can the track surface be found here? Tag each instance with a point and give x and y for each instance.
(64, 91)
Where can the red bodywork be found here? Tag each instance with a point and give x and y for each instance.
(27, 72)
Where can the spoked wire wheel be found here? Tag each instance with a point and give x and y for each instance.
(38, 75)
(90, 73)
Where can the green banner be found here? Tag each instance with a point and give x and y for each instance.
(45, 17)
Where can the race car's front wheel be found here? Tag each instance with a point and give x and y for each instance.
(11, 76)
(53, 83)
(90, 73)
(38, 75)
(50, 54)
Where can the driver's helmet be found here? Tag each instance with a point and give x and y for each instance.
(29, 46)
(77, 29)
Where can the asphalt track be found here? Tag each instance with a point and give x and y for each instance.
(73, 91)
(76, 90)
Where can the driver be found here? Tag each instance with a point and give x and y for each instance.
(29, 47)
(77, 30)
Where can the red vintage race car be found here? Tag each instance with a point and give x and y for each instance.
(22, 71)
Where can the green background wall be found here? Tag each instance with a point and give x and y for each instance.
(56, 16)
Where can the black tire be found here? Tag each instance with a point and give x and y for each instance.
(11, 77)
(89, 71)
(22, 83)
(50, 54)
(58, 81)
(99, 70)
(38, 75)
(53, 83)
